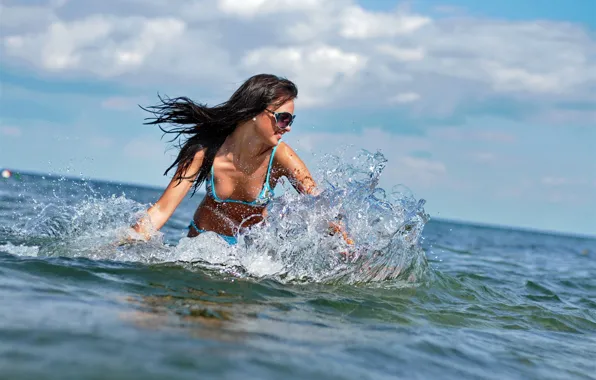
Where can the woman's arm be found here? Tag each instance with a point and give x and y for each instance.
(299, 176)
(162, 210)
(294, 169)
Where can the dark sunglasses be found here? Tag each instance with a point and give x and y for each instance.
(283, 119)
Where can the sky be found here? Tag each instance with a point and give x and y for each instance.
(487, 110)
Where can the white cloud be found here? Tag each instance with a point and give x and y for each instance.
(335, 51)
(422, 171)
(406, 97)
(317, 68)
(357, 23)
(25, 17)
(513, 56)
(512, 78)
(402, 54)
(96, 43)
(263, 8)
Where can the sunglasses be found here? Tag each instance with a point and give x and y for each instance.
(283, 119)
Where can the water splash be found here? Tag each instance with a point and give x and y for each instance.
(60, 217)
(293, 245)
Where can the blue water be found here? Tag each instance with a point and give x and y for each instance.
(421, 299)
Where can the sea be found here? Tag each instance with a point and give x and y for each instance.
(414, 298)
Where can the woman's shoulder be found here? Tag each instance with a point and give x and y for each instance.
(291, 165)
(286, 156)
(199, 155)
(283, 149)
(284, 152)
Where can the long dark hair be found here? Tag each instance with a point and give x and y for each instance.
(198, 126)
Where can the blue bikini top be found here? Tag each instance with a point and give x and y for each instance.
(264, 197)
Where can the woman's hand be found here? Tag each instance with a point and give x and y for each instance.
(351, 252)
(131, 236)
(159, 213)
(292, 167)
(336, 227)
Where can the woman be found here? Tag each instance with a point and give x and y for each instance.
(234, 147)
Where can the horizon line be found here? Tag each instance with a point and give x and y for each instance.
(454, 220)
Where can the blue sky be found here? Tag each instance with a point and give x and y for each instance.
(485, 109)
(577, 11)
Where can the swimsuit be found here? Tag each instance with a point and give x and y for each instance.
(263, 199)
(231, 240)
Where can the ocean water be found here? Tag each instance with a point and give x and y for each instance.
(417, 299)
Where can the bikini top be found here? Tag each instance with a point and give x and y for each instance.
(264, 197)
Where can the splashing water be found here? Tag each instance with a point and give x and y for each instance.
(293, 244)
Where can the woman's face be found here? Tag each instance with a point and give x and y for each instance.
(267, 126)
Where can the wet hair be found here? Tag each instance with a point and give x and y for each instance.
(199, 127)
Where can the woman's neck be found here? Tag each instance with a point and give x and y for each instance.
(244, 145)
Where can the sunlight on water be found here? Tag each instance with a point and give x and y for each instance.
(294, 244)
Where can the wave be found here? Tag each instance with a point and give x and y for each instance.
(293, 245)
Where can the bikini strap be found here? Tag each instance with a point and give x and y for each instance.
(263, 191)
(270, 164)
(213, 192)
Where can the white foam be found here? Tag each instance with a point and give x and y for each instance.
(20, 250)
(292, 245)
